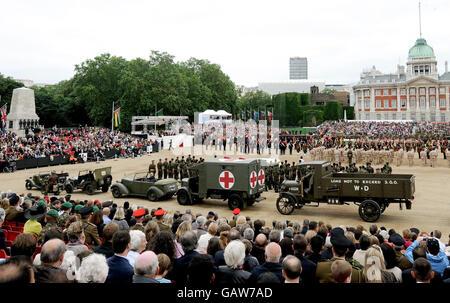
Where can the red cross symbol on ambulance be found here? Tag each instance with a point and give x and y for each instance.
(253, 179)
(226, 179)
(261, 177)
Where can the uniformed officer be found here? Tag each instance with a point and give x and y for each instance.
(160, 169)
(139, 215)
(62, 220)
(165, 168)
(369, 168)
(152, 168)
(90, 229)
(159, 215)
(170, 168)
(51, 219)
(276, 178)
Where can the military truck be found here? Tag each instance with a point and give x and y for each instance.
(240, 181)
(90, 180)
(144, 184)
(40, 182)
(372, 192)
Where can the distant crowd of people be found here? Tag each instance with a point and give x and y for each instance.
(59, 239)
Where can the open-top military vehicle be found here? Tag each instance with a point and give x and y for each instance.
(145, 185)
(40, 182)
(90, 180)
(240, 181)
(372, 192)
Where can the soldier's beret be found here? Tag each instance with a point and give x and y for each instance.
(86, 210)
(236, 211)
(338, 239)
(14, 199)
(41, 203)
(107, 204)
(78, 207)
(397, 240)
(139, 213)
(95, 208)
(159, 212)
(67, 205)
(53, 213)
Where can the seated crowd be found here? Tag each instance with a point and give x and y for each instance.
(61, 240)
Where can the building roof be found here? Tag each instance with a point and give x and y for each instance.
(445, 76)
(421, 49)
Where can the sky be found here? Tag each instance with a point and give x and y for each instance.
(252, 41)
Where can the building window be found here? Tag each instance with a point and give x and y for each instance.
(378, 103)
(427, 69)
(416, 70)
(422, 91)
(366, 103)
(433, 117)
(413, 117)
(385, 103)
(393, 92)
(385, 92)
(421, 69)
(403, 116)
(412, 91)
(422, 117)
(367, 117)
(432, 91)
(378, 92)
(366, 93)
(422, 102)
(403, 103)
(433, 101)
(394, 103)
(442, 102)
(394, 116)
(413, 102)
(378, 116)
(442, 117)
(386, 116)
(403, 91)
(442, 90)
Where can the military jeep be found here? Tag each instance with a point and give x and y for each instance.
(40, 182)
(90, 180)
(145, 185)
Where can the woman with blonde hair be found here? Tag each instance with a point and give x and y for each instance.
(375, 268)
(182, 228)
(119, 219)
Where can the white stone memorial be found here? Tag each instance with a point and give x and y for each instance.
(22, 112)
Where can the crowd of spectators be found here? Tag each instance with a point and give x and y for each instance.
(65, 240)
(67, 142)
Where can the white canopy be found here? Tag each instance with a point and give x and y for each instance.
(210, 115)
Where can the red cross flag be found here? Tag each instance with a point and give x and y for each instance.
(226, 179)
(253, 179)
(261, 177)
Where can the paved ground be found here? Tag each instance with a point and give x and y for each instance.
(430, 209)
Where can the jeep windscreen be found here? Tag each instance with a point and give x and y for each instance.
(140, 176)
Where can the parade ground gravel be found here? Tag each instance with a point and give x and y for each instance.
(430, 208)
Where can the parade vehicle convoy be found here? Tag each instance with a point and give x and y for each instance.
(239, 181)
(40, 182)
(145, 185)
(90, 180)
(372, 192)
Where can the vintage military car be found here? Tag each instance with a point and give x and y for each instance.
(40, 182)
(145, 185)
(90, 180)
(240, 181)
(372, 192)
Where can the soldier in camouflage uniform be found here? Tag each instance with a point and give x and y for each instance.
(51, 219)
(62, 219)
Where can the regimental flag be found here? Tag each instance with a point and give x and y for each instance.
(3, 115)
(117, 117)
(160, 112)
(269, 116)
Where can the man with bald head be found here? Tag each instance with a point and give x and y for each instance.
(259, 248)
(52, 256)
(146, 268)
(272, 263)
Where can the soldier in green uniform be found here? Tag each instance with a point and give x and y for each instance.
(160, 169)
(139, 215)
(369, 168)
(159, 214)
(51, 219)
(152, 168)
(276, 178)
(353, 168)
(267, 172)
(166, 168)
(62, 219)
(281, 174)
(293, 172)
(170, 167)
(176, 163)
(90, 229)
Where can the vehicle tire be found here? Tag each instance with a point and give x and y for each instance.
(116, 192)
(369, 210)
(285, 205)
(151, 195)
(183, 197)
(105, 188)
(107, 180)
(28, 185)
(68, 188)
(6, 170)
(235, 201)
(89, 189)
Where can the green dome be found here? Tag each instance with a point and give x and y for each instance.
(421, 49)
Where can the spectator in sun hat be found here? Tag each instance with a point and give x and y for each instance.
(32, 226)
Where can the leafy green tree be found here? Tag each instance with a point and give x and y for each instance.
(333, 111)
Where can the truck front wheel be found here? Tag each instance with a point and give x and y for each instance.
(235, 201)
(285, 205)
(369, 211)
(183, 197)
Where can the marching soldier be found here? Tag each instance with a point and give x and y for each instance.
(410, 156)
(433, 157)
(423, 156)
